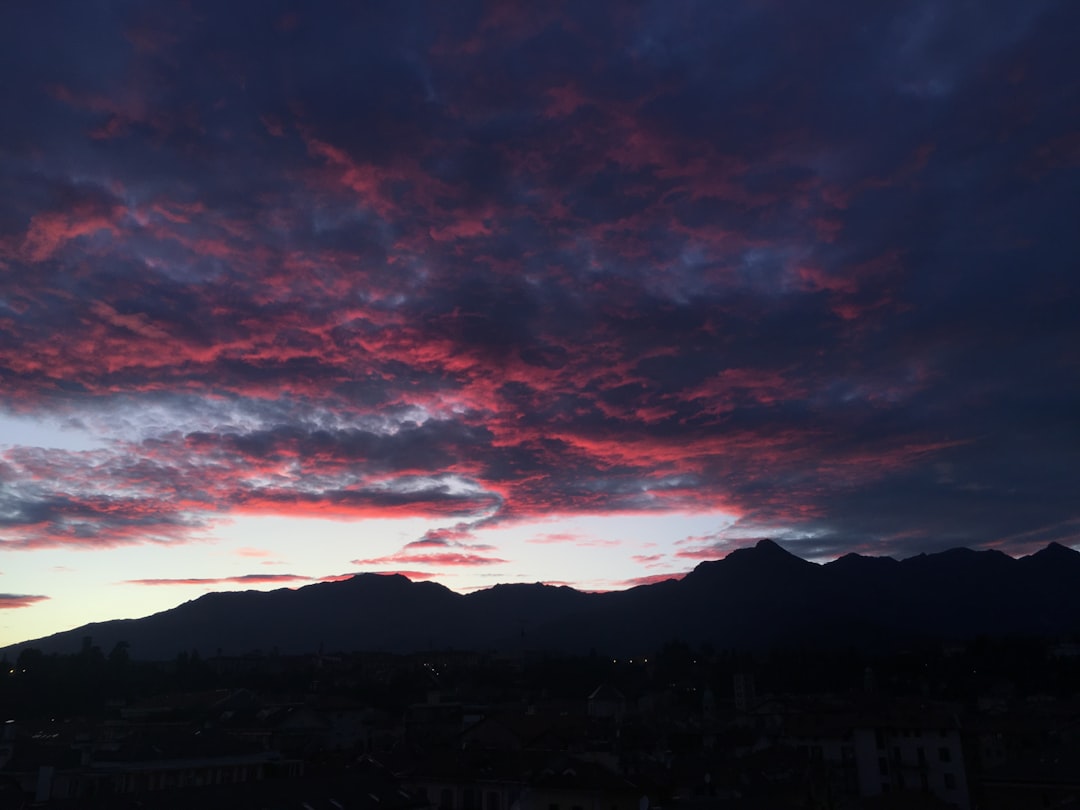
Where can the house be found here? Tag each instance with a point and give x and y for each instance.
(871, 748)
(607, 703)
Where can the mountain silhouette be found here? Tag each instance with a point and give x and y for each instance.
(755, 598)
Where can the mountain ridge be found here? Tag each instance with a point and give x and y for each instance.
(756, 597)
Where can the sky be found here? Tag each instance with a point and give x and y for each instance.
(580, 293)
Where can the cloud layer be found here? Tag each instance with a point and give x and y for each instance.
(19, 600)
(811, 267)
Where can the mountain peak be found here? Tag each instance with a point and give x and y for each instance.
(765, 549)
(1056, 551)
(770, 546)
(766, 554)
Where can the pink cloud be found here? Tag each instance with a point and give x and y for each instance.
(408, 574)
(651, 579)
(243, 579)
(450, 559)
(572, 539)
(713, 551)
(452, 537)
(335, 578)
(247, 551)
(16, 600)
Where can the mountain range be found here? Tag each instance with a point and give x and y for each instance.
(755, 598)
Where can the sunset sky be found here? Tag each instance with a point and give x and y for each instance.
(580, 292)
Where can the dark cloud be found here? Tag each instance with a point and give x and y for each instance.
(489, 263)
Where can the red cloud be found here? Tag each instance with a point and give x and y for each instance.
(49, 232)
(622, 307)
(16, 600)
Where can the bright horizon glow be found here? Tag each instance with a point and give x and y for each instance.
(96, 586)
